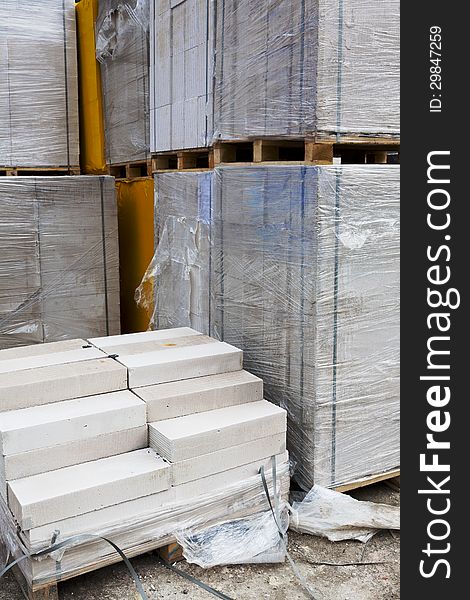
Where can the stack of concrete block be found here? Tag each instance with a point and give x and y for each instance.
(39, 91)
(122, 40)
(75, 457)
(59, 259)
(226, 70)
(181, 73)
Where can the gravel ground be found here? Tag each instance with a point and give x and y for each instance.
(357, 582)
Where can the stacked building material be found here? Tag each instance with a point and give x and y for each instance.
(275, 68)
(39, 91)
(59, 268)
(122, 47)
(77, 462)
(181, 74)
(303, 274)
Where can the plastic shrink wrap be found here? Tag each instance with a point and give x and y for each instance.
(59, 269)
(137, 531)
(39, 89)
(180, 268)
(336, 516)
(309, 67)
(122, 48)
(304, 278)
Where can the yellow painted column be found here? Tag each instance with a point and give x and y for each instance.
(136, 247)
(92, 140)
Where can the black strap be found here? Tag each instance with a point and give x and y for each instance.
(72, 542)
(194, 580)
(294, 567)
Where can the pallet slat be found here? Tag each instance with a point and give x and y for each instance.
(280, 151)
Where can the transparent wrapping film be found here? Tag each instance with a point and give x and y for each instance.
(323, 67)
(39, 89)
(180, 269)
(122, 48)
(137, 530)
(254, 539)
(327, 513)
(303, 276)
(59, 265)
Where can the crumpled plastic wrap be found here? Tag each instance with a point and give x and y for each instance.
(39, 87)
(138, 533)
(255, 539)
(59, 259)
(336, 516)
(122, 48)
(303, 276)
(180, 268)
(322, 67)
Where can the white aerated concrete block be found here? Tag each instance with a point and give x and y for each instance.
(138, 338)
(229, 458)
(26, 352)
(136, 511)
(43, 460)
(156, 345)
(194, 435)
(191, 396)
(88, 487)
(50, 359)
(45, 385)
(70, 421)
(175, 364)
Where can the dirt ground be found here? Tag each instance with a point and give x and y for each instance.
(359, 580)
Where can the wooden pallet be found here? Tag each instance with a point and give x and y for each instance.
(389, 475)
(47, 592)
(272, 151)
(131, 170)
(197, 159)
(171, 553)
(38, 171)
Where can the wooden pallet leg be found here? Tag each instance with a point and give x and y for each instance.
(171, 553)
(318, 152)
(49, 593)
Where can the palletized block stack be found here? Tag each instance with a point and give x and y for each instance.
(39, 94)
(76, 457)
(290, 253)
(59, 268)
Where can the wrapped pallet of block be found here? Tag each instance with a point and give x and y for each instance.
(59, 265)
(310, 67)
(180, 268)
(305, 279)
(122, 48)
(140, 439)
(181, 73)
(39, 89)
(303, 274)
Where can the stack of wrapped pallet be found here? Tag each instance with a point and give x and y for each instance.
(296, 262)
(59, 267)
(77, 463)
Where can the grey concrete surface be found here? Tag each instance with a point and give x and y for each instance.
(359, 580)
